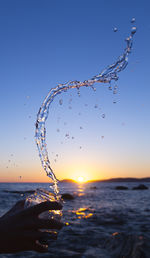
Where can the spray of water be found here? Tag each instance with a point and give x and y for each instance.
(111, 73)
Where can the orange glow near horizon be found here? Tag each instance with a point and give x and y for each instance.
(81, 173)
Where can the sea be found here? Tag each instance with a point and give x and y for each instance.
(100, 221)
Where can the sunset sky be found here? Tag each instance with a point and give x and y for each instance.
(47, 42)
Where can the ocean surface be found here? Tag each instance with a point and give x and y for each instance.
(103, 221)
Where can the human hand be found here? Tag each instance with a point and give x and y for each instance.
(20, 228)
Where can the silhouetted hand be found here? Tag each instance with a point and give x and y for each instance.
(20, 228)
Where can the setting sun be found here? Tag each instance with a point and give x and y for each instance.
(80, 179)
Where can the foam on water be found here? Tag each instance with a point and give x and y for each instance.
(109, 74)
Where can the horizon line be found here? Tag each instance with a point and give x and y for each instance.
(69, 179)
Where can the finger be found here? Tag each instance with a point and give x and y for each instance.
(40, 248)
(44, 206)
(15, 209)
(46, 224)
(49, 224)
(47, 238)
(36, 246)
(38, 235)
(27, 246)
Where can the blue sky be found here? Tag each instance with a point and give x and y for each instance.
(44, 43)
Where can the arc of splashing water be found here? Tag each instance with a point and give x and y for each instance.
(106, 76)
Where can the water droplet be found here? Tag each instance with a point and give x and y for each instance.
(133, 30)
(58, 130)
(96, 106)
(60, 102)
(115, 29)
(132, 20)
(93, 88)
(114, 92)
(80, 147)
(81, 127)
(127, 39)
(103, 115)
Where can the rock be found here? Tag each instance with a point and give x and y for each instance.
(140, 187)
(121, 187)
(67, 196)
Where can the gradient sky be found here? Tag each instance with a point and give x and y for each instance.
(46, 42)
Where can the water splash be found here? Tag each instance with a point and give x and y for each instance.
(133, 20)
(115, 29)
(109, 74)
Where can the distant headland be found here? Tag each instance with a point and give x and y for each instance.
(111, 180)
